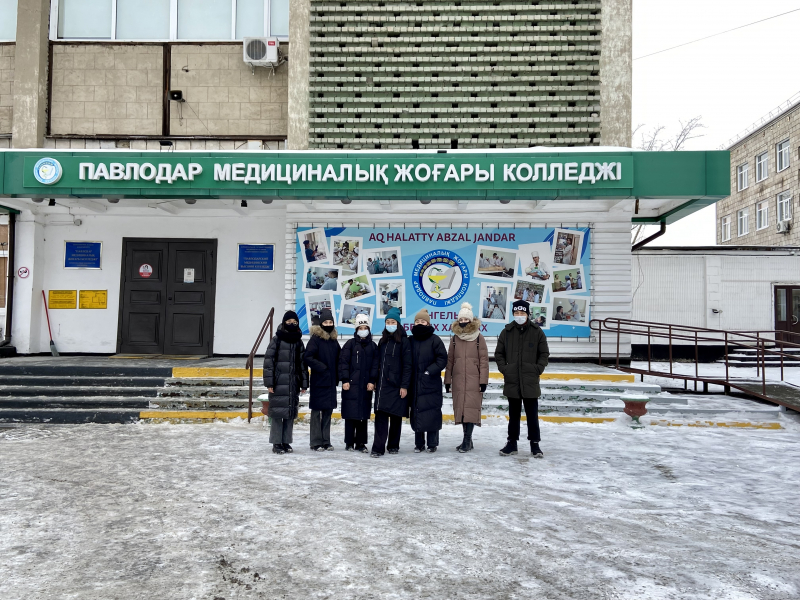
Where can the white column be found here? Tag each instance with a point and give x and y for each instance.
(29, 318)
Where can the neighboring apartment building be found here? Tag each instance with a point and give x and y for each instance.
(765, 184)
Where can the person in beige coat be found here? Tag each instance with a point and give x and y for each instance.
(467, 372)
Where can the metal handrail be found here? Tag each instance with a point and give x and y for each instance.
(753, 340)
(251, 359)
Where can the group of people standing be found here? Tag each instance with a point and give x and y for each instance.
(400, 376)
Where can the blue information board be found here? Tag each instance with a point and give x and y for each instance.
(256, 257)
(82, 255)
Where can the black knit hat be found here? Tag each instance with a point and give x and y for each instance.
(326, 315)
(290, 314)
(521, 305)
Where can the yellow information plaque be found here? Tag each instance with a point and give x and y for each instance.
(62, 299)
(94, 299)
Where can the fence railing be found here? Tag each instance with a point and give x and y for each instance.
(251, 358)
(773, 345)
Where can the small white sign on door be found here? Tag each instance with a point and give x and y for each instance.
(188, 276)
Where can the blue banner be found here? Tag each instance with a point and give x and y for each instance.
(356, 271)
(82, 255)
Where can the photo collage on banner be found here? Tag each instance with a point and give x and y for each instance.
(356, 271)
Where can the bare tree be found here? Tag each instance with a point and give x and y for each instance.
(651, 142)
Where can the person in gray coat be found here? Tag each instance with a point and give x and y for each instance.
(285, 377)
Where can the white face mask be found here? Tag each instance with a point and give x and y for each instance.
(520, 320)
(391, 328)
(363, 333)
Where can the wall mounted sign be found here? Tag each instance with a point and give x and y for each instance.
(83, 255)
(188, 276)
(370, 271)
(23, 272)
(93, 299)
(145, 271)
(256, 257)
(63, 299)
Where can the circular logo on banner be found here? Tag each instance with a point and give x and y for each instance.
(145, 270)
(47, 171)
(441, 278)
(23, 272)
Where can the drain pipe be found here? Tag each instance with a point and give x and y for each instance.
(11, 268)
(647, 240)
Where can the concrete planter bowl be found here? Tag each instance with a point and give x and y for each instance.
(635, 407)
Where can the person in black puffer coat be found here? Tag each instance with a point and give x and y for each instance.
(285, 376)
(394, 379)
(322, 357)
(429, 357)
(358, 372)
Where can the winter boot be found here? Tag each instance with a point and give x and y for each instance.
(362, 448)
(318, 448)
(461, 446)
(466, 445)
(536, 451)
(349, 448)
(417, 450)
(328, 447)
(375, 455)
(278, 449)
(510, 448)
(288, 448)
(431, 450)
(393, 450)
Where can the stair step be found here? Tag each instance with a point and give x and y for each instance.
(93, 402)
(61, 381)
(73, 370)
(20, 391)
(69, 416)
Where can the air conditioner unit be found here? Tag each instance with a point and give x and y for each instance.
(784, 226)
(261, 51)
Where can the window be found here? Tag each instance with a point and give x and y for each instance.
(784, 206)
(134, 20)
(762, 215)
(741, 177)
(761, 167)
(742, 218)
(782, 155)
(8, 20)
(726, 228)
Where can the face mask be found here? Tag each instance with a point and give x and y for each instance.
(391, 328)
(362, 333)
(291, 326)
(327, 328)
(520, 320)
(463, 323)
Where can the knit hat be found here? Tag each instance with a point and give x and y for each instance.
(362, 319)
(466, 311)
(326, 315)
(394, 313)
(290, 314)
(521, 305)
(423, 314)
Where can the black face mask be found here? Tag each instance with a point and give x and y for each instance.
(291, 326)
(328, 328)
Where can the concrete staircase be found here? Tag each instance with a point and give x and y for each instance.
(748, 357)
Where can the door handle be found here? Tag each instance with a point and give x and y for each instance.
(794, 320)
(169, 298)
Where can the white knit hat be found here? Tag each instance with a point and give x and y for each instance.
(362, 319)
(466, 311)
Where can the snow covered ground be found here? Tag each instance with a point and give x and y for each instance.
(205, 511)
(790, 374)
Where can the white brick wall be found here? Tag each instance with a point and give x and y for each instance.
(107, 89)
(6, 86)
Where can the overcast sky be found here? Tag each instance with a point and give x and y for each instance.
(731, 80)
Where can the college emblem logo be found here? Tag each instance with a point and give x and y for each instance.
(47, 171)
(441, 278)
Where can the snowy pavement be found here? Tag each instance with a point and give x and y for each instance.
(205, 511)
(790, 374)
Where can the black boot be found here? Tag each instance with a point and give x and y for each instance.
(466, 445)
(536, 451)
(278, 449)
(463, 441)
(510, 448)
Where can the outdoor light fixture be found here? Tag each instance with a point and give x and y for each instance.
(425, 201)
(190, 200)
(165, 143)
(52, 202)
(112, 200)
(504, 201)
(37, 200)
(244, 203)
(267, 200)
(346, 200)
(176, 95)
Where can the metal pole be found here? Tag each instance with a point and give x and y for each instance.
(600, 348)
(618, 334)
(696, 362)
(670, 349)
(727, 377)
(649, 358)
(763, 369)
(781, 351)
(250, 396)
